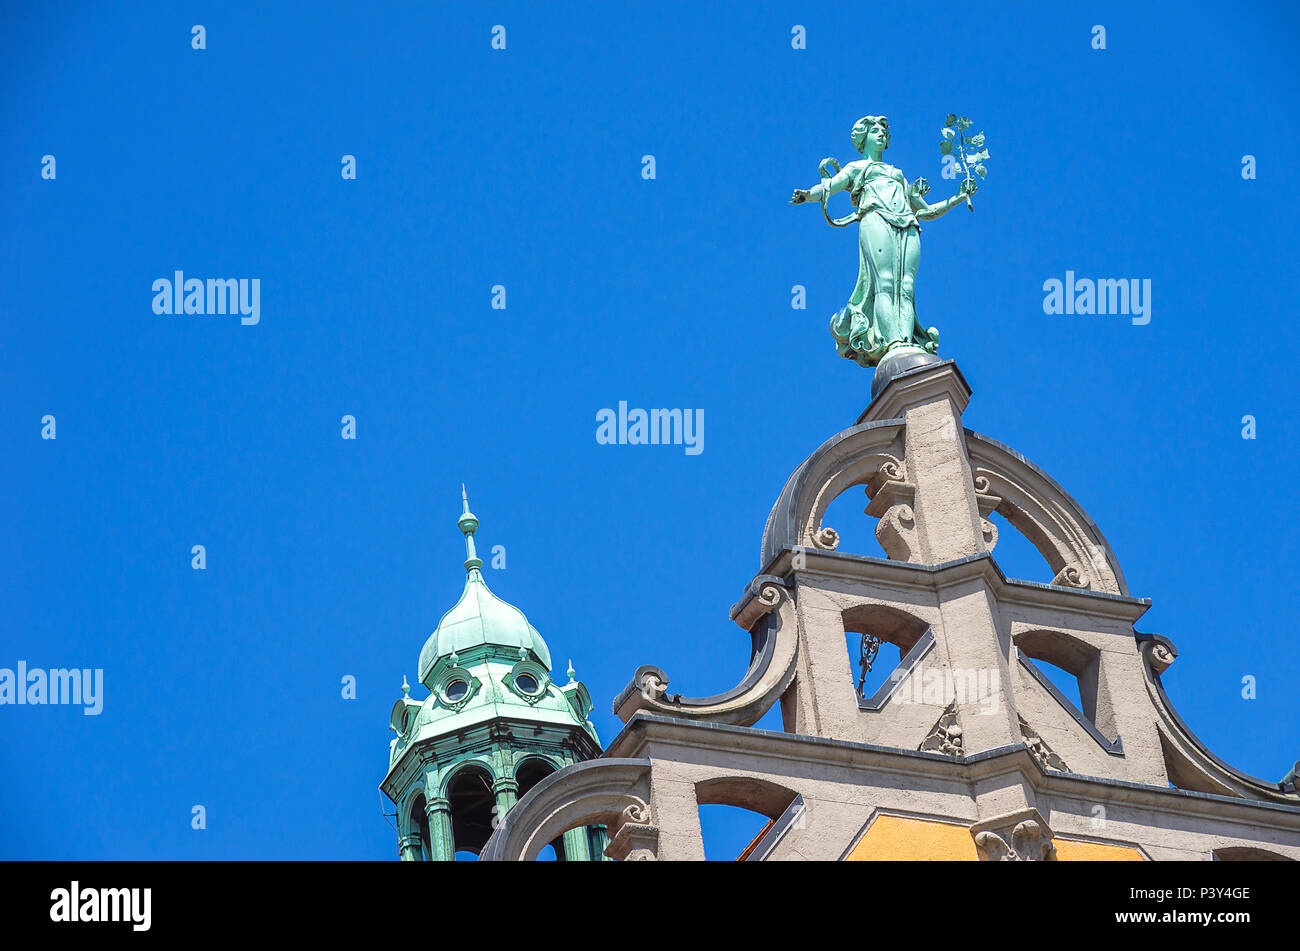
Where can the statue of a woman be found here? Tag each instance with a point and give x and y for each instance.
(881, 314)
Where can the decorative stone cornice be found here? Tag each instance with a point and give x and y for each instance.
(642, 734)
(845, 565)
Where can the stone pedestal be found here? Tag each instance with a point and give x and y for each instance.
(899, 360)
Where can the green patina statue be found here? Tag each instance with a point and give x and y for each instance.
(880, 317)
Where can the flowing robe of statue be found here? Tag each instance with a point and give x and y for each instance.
(889, 253)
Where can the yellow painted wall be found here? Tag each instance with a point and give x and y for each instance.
(903, 838)
(1069, 851)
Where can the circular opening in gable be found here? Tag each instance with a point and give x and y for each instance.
(527, 683)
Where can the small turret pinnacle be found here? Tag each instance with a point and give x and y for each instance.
(468, 525)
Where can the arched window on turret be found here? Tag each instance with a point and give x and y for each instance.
(472, 804)
(418, 822)
(531, 772)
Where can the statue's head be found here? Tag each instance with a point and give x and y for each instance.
(870, 128)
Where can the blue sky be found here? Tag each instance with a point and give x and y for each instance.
(522, 168)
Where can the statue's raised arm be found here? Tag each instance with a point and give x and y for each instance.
(823, 189)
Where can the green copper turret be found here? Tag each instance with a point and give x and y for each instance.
(493, 725)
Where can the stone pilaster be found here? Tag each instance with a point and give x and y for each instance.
(977, 659)
(947, 519)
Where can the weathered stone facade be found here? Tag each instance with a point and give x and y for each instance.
(996, 763)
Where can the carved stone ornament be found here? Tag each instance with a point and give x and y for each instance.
(1159, 656)
(826, 538)
(1071, 576)
(892, 498)
(637, 838)
(990, 532)
(887, 488)
(654, 686)
(1039, 748)
(889, 471)
(987, 503)
(895, 532)
(1018, 837)
(946, 736)
(770, 594)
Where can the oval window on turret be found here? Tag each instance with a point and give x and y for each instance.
(456, 690)
(527, 683)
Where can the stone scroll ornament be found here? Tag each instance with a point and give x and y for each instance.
(880, 317)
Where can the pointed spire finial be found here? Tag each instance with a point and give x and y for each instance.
(468, 525)
(572, 672)
(406, 688)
